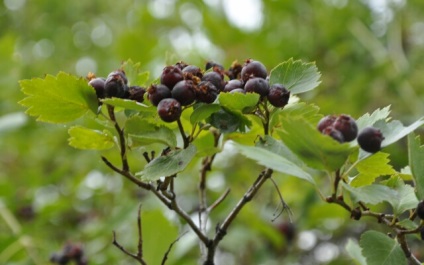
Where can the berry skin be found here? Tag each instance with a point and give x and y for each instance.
(184, 92)
(157, 92)
(206, 92)
(335, 134)
(278, 95)
(253, 69)
(171, 75)
(420, 210)
(257, 85)
(116, 85)
(169, 109)
(211, 64)
(369, 139)
(136, 93)
(238, 90)
(347, 126)
(326, 122)
(193, 70)
(99, 85)
(216, 79)
(233, 84)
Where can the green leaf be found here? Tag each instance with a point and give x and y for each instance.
(229, 121)
(168, 165)
(128, 104)
(416, 158)
(372, 194)
(315, 149)
(408, 224)
(372, 167)
(84, 138)
(369, 119)
(302, 110)
(296, 76)
(405, 198)
(143, 132)
(58, 99)
(354, 251)
(273, 161)
(203, 112)
(133, 73)
(271, 144)
(379, 249)
(394, 130)
(238, 101)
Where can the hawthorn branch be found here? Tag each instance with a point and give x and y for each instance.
(186, 140)
(122, 142)
(120, 247)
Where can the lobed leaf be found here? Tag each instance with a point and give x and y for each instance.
(203, 112)
(394, 130)
(354, 251)
(380, 249)
(58, 99)
(416, 158)
(238, 101)
(84, 138)
(135, 76)
(369, 119)
(128, 104)
(296, 76)
(372, 167)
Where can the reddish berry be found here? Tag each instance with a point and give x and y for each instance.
(369, 139)
(171, 75)
(335, 134)
(326, 122)
(136, 93)
(206, 92)
(347, 126)
(184, 92)
(257, 85)
(157, 92)
(192, 70)
(278, 95)
(253, 69)
(169, 109)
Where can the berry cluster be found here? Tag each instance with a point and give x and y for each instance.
(70, 252)
(343, 128)
(116, 85)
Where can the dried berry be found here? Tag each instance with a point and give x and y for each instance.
(206, 92)
(136, 93)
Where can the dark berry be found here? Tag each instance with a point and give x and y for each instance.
(99, 86)
(335, 134)
(278, 95)
(233, 84)
(257, 85)
(253, 69)
(235, 71)
(206, 92)
(192, 70)
(116, 85)
(211, 64)
(171, 75)
(181, 65)
(356, 214)
(59, 258)
(347, 126)
(184, 92)
(369, 139)
(169, 109)
(157, 92)
(288, 230)
(238, 90)
(420, 210)
(326, 122)
(216, 79)
(422, 233)
(136, 93)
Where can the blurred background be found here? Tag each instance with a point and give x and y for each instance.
(370, 54)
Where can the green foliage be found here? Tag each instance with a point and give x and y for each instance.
(416, 156)
(84, 138)
(379, 249)
(371, 168)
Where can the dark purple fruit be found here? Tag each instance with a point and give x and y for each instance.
(369, 139)
(99, 86)
(252, 69)
(184, 92)
(157, 92)
(233, 84)
(116, 85)
(326, 122)
(181, 65)
(420, 210)
(216, 79)
(422, 233)
(347, 126)
(169, 109)
(287, 230)
(192, 70)
(211, 64)
(206, 92)
(136, 93)
(257, 85)
(238, 90)
(171, 75)
(278, 95)
(335, 134)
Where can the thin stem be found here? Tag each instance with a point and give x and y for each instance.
(127, 175)
(140, 234)
(122, 143)
(165, 257)
(218, 201)
(186, 140)
(136, 257)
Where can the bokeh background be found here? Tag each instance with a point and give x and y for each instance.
(370, 54)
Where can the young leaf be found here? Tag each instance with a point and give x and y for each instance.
(315, 149)
(133, 73)
(369, 119)
(84, 138)
(372, 167)
(354, 251)
(203, 112)
(296, 76)
(144, 133)
(416, 158)
(379, 249)
(169, 164)
(58, 99)
(238, 101)
(273, 161)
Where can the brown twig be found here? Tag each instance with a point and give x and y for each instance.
(186, 140)
(165, 257)
(219, 200)
(140, 234)
(122, 142)
(283, 203)
(134, 256)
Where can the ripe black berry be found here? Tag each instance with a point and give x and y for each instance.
(335, 134)
(257, 85)
(169, 109)
(278, 95)
(184, 92)
(253, 69)
(171, 75)
(181, 65)
(211, 64)
(347, 126)
(192, 70)
(326, 122)
(136, 93)
(99, 85)
(420, 210)
(233, 84)
(369, 139)
(157, 92)
(216, 79)
(116, 85)
(206, 92)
